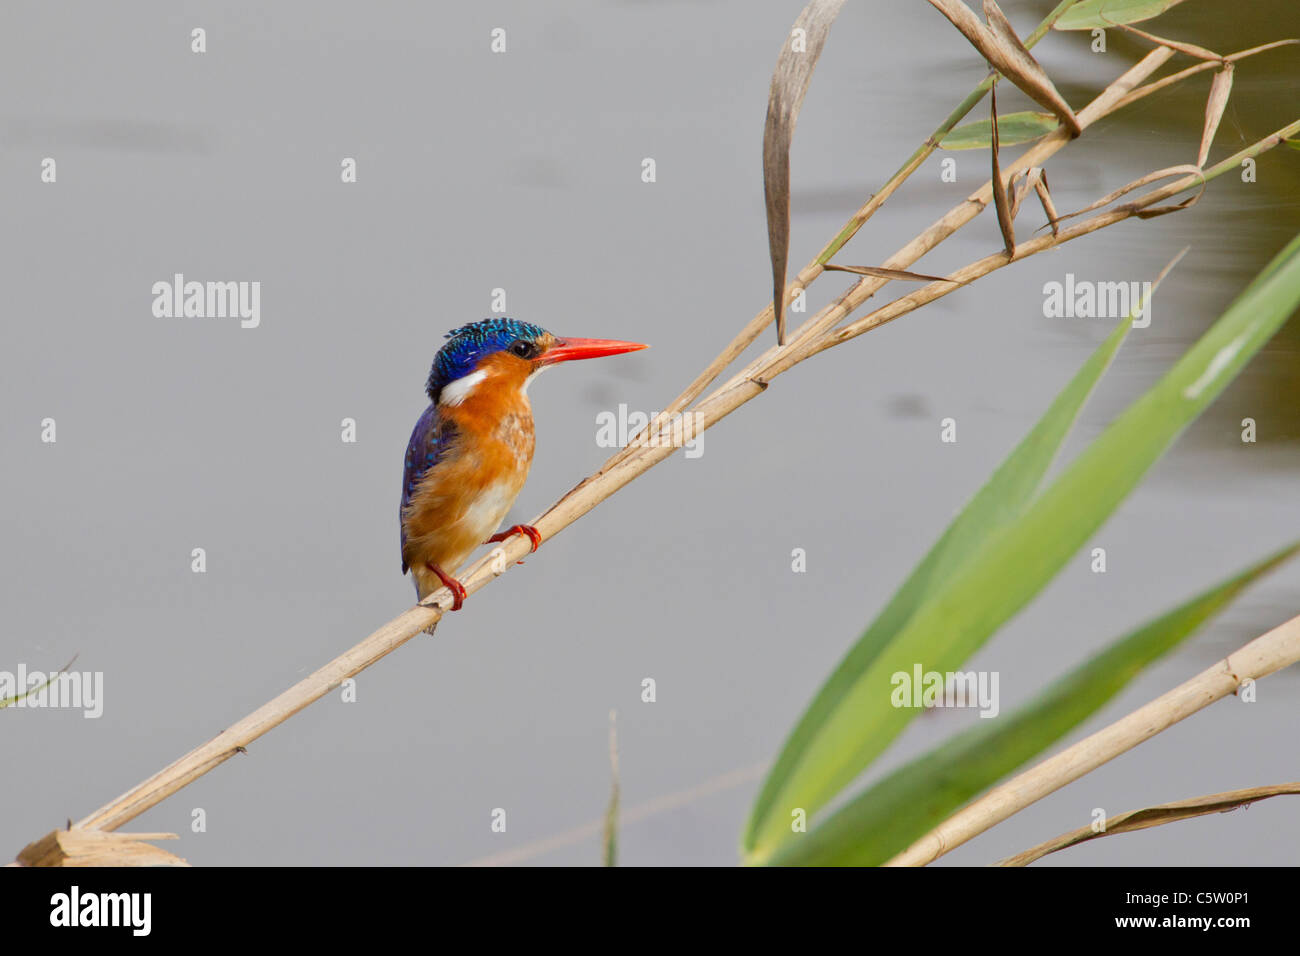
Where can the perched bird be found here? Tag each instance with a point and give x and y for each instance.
(471, 449)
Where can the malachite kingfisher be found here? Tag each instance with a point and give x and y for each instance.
(470, 451)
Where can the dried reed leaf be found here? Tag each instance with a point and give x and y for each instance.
(1049, 207)
(1021, 185)
(790, 79)
(1154, 817)
(1000, 201)
(1214, 107)
(1191, 49)
(1159, 174)
(1156, 211)
(999, 44)
(1036, 81)
(1034, 180)
(882, 273)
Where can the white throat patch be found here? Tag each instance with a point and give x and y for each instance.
(456, 392)
(529, 380)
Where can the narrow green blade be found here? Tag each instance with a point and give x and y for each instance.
(1013, 129)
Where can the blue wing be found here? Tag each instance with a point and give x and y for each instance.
(421, 454)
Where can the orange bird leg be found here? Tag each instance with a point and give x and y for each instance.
(457, 589)
(534, 536)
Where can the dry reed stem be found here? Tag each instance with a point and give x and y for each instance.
(1266, 654)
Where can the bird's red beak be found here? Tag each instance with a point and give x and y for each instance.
(566, 350)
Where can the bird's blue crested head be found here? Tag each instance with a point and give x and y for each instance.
(470, 344)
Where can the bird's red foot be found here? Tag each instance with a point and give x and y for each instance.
(457, 589)
(534, 535)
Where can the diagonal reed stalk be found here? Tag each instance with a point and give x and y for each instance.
(821, 331)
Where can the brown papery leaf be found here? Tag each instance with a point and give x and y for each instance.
(1002, 48)
(1040, 85)
(1191, 49)
(1049, 207)
(1214, 107)
(1159, 174)
(1154, 817)
(1021, 184)
(882, 273)
(1035, 179)
(790, 79)
(1154, 211)
(1000, 200)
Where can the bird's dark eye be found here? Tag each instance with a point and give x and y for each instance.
(525, 350)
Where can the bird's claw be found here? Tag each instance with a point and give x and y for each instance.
(534, 536)
(457, 589)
